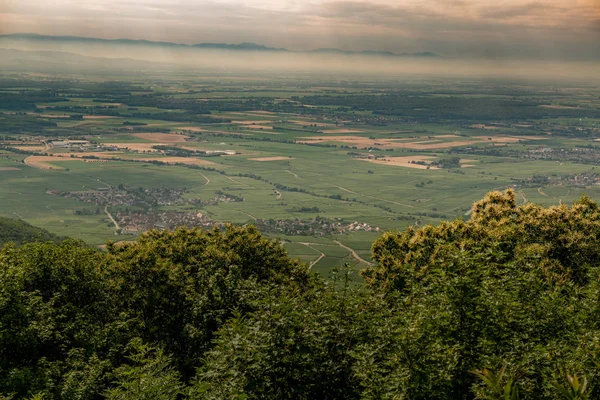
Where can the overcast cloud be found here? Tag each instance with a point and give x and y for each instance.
(566, 29)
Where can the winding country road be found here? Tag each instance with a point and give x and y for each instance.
(523, 197)
(351, 250)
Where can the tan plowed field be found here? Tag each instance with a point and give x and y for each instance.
(414, 144)
(251, 122)
(162, 137)
(403, 161)
(178, 160)
(42, 162)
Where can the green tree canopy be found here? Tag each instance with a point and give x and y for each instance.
(514, 284)
(499, 306)
(68, 313)
(176, 288)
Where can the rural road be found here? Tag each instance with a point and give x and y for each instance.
(111, 218)
(204, 184)
(26, 162)
(250, 215)
(240, 183)
(351, 250)
(523, 197)
(205, 177)
(290, 172)
(318, 259)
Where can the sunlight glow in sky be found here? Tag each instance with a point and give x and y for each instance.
(489, 28)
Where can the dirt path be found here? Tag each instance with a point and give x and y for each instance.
(523, 197)
(240, 183)
(204, 184)
(318, 251)
(376, 198)
(540, 191)
(290, 172)
(205, 177)
(250, 215)
(111, 218)
(356, 256)
(561, 197)
(278, 193)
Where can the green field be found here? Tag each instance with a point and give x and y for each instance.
(323, 167)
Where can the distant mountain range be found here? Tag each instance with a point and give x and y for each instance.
(220, 46)
(63, 61)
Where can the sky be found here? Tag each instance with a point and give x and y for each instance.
(539, 29)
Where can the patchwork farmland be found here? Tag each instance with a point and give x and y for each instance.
(318, 164)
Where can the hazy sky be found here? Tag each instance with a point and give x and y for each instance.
(567, 29)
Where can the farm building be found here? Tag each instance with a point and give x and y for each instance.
(59, 143)
(68, 143)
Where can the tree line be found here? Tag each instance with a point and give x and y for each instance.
(502, 306)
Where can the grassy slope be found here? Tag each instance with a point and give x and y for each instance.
(20, 232)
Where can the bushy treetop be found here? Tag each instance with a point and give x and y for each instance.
(561, 239)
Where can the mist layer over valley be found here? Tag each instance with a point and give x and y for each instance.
(93, 55)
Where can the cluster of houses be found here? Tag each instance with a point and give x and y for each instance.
(136, 222)
(318, 226)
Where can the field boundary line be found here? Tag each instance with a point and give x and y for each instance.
(376, 198)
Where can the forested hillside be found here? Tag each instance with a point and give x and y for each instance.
(502, 306)
(19, 232)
